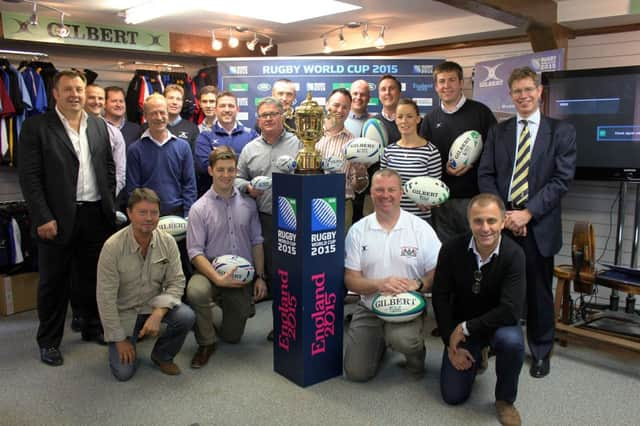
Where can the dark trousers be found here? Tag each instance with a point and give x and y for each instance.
(179, 321)
(508, 344)
(540, 310)
(266, 223)
(76, 261)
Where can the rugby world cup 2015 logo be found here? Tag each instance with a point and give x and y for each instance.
(287, 214)
(323, 226)
(323, 214)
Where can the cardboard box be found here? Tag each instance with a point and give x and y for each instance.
(18, 293)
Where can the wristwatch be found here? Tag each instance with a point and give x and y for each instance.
(262, 276)
(420, 284)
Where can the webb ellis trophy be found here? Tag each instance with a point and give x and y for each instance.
(309, 118)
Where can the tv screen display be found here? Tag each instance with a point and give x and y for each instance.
(603, 105)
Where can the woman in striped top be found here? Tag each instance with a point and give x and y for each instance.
(412, 155)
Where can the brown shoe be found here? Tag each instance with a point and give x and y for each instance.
(507, 414)
(167, 367)
(202, 356)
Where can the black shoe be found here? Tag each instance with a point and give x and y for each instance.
(51, 356)
(94, 336)
(540, 367)
(77, 323)
(270, 336)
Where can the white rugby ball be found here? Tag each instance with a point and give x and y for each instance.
(374, 129)
(286, 164)
(176, 226)
(225, 263)
(466, 149)
(363, 150)
(261, 183)
(400, 307)
(426, 190)
(333, 164)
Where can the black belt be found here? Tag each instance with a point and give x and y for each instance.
(87, 203)
(511, 206)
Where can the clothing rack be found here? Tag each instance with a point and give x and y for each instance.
(158, 66)
(36, 55)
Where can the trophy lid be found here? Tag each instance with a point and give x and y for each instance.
(309, 107)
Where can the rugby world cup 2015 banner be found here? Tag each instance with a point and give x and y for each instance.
(251, 79)
(491, 78)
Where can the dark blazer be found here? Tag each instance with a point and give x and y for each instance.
(48, 171)
(553, 163)
(502, 288)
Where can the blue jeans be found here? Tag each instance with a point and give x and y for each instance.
(508, 344)
(179, 321)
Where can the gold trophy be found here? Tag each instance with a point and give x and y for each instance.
(309, 118)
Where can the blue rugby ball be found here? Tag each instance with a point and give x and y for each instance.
(402, 307)
(244, 269)
(374, 129)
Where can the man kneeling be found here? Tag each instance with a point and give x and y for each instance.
(478, 295)
(139, 274)
(222, 222)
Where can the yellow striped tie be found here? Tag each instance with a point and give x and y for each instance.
(520, 186)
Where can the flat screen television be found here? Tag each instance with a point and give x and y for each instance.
(604, 106)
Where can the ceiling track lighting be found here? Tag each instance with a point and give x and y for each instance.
(379, 43)
(62, 32)
(233, 41)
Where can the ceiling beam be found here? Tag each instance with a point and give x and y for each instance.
(538, 18)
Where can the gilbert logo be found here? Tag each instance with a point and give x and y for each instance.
(492, 79)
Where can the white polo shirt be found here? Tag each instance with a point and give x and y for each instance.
(409, 250)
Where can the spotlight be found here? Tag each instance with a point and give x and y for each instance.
(341, 38)
(215, 43)
(63, 31)
(251, 45)
(325, 46)
(233, 40)
(33, 19)
(379, 43)
(265, 49)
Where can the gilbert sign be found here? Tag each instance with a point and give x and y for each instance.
(16, 26)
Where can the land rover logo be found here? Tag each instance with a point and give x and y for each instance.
(264, 87)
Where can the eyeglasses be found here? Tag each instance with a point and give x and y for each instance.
(268, 115)
(477, 278)
(526, 91)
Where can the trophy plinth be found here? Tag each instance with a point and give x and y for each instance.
(309, 118)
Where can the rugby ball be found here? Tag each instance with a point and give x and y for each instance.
(225, 263)
(333, 164)
(466, 149)
(400, 307)
(426, 190)
(374, 129)
(286, 164)
(363, 150)
(176, 226)
(261, 183)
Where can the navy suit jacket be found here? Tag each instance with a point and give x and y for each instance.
(48, 168)
(553, 163)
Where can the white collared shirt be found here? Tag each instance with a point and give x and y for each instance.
(147, 134)
(455, 109)
(86, 187)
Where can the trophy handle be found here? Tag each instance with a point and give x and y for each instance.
(288, 114)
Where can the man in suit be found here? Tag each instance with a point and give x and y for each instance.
(529, 161)
(67, 176)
